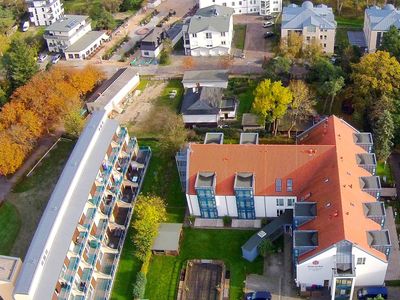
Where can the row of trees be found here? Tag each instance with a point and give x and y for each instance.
(39, 106)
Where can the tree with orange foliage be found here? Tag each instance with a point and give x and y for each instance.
(12, 155)
(188, 63)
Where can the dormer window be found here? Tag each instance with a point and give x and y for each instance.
(278, 185)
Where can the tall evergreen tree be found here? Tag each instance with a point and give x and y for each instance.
(383, 131)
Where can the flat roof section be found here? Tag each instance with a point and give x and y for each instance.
(205, 179)
(214, 138)
(366, 159)
(244, 180)
(357, 38)
(168, 237)
(370, 182)
(8, 265)
(84, 42)
(305, 209)
(205, 76)
(305, 238)
(67, 23)
(363, 138)
(248, 138)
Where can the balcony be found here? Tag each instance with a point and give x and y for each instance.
(380, 240)
(364, 140)
(304, 212)
(367, 161)
(304, 241)
(371, 185)
(375, 211)
(102, 289)
(121, 215)
(115, 236)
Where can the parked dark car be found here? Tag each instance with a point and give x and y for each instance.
(269, 17)
(264, 295)
(371, 292)
(268, 34)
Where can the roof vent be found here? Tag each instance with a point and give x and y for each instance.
(328, 204)
(326, 180)
(261, 234)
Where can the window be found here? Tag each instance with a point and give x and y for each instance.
(224, 4)
(222, 33)
(146, 53)
(361, 261)
(233, 3)
(324, 45)
(290, 202)
(278, 185)
(240, 2)
(289, 185)
(280, 202)
(223, 43)
(194, 35)
(209, 46)
(208, 35)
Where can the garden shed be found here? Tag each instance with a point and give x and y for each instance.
(168, 239)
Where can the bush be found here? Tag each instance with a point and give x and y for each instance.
(227, 221)
(139, 286)
(145, 266)
(164, 58)
(266, 247)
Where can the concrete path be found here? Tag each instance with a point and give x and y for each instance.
(393, 271)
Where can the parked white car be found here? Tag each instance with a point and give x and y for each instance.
(55, 59)
(268, 24)
(25, 26)
(42, 57)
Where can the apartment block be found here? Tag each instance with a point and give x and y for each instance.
(75, 251)
(209, 32)
(377, 21)
(262, 7)
(313, 23)
(323, 190)
(44, 12)
(72, 36)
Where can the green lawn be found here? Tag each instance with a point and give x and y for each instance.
(79, 6)
(246, 100)
(162, 180)
(239, 36)
(163, 275)
(10, 223)
(174, 103)
(350, 22)
(383, 170)
(45, 169)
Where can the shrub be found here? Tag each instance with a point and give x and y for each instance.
(164, 58)
(266, 247)
(139, 286)
(227, 221)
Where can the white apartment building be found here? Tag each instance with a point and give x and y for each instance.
(262, 7)
(314, 23)
(72, 35)
(76, 248)
(209, 32)
(377, 21)
(44, 12)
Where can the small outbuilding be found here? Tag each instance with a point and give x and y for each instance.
(168, 239)
(251, 122)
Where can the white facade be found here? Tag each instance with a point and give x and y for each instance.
(84, 47)
(59, 36)
(264, 206)
(209, 43)
(44, 12)
(262, 7)
(318, 270)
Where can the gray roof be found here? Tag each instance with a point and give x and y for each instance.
(383, 19)
(305, 238)
(214, 138)
(357, 38)
(168, 237)
(205, 76)
(85, 41)
(249, 138)
(155, 35)
(212, 18)
(67, 23)
(374, 209)
(298, 17)
(364, 138)
(204, 101)
(39, 273)
(250, 119)
(370, 182)
(174, 30)
(205, 179)
(244, 180)
(107, 91)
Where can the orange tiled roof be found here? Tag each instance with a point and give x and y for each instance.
(324, 165)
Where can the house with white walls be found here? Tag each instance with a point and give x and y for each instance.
(209, 32)
(44, 12)
(262, 7)
(327, 184)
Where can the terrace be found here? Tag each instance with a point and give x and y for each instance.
(367, 161)
(214, 138)
(375, 211)
(380, 240)
(371, 185)
(364, 140)
(249, 138)
(304, 212)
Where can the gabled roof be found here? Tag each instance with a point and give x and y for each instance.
(383, 19)
(212, 18)
(204, 101)
(298, 17)
(323, 168)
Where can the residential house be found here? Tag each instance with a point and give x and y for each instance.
(76, 248)
(325, 184)
(377, 21)
(204, 103)
(152, 44)
(44, 12)
(111, 94)
(313, 23)
(72, 36)
(263, 7)
(209, 32)
(9, 270)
